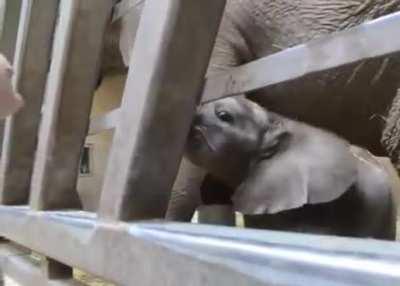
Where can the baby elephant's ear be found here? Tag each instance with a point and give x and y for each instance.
(271, 188)
(303, 174)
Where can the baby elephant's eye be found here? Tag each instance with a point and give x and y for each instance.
(224, 116)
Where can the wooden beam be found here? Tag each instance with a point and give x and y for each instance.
(158, 104)
(69, 92)
(2, 123)
(8, 38)
(31, 63)
(11, 18)
(370, 40)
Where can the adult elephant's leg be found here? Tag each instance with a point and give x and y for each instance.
(185, 195)
(191, 192)
(391, 133)
(217, 204)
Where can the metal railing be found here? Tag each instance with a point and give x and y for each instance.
(39, 165)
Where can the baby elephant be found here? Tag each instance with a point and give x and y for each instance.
(287, 175)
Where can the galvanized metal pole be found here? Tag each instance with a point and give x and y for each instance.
(166, 254)
(173, 46)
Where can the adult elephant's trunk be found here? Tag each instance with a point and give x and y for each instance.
(185, 195)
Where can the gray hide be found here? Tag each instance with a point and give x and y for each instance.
(343, 100)
(391, 133)
(288, 175)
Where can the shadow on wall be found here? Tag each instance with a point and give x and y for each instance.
(107, 98)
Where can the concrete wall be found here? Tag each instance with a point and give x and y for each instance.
(107, 97)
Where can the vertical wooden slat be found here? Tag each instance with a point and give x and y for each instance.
(72, 80)
(170, 58)
(31, 64)
(2, 122)
(12, 12)
(8, 38)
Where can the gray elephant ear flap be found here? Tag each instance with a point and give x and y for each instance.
(315, 171)
(271, 189)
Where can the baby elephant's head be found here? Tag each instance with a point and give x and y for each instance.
(226, 135)
(271, 162)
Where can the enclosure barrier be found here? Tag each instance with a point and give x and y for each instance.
(57, 55)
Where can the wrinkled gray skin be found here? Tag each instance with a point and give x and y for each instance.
(287, 175)
(345, 101)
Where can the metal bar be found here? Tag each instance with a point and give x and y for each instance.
(31, 64)
(11, 18)
(158, 103)
(207, 255)
(68, 98)
(26, 272)
(370, 40)
(104, 122)
(124, 7)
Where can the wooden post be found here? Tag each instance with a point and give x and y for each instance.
(72, 79)
(170, 57)
(12, 12)
(31, 64)
(8, 38)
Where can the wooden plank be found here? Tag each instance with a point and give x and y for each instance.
(370, 40)
(104, 122)
(12, 12)
(158, 104)
(31, 64)
(8, 38)
(68, 98)
(2, 123)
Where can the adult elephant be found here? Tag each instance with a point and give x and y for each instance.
(349, 101)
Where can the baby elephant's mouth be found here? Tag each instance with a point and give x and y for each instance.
(198, 136)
